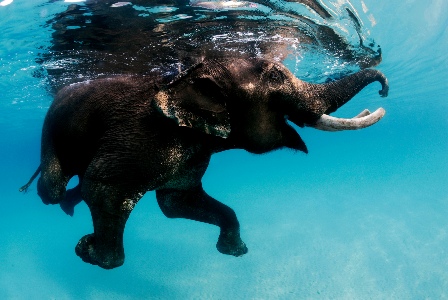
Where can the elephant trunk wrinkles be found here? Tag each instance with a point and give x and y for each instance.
(335, 94)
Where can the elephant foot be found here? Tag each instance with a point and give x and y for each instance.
(230, 243)
(87, 250)
(72, 198)
(67, 207)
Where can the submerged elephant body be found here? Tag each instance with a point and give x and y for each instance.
(124, 136)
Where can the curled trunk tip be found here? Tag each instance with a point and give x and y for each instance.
(335, 94)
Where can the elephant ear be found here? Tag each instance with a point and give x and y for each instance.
(198, 103)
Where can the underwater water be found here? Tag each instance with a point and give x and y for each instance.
(362, 216)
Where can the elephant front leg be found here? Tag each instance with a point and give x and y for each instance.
(110, 212)
(195, 204)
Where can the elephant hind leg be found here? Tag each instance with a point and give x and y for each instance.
(72, 198)
(195, 204)
(110, 210)
(52, 183)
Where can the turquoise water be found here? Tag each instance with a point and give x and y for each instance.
(362, 216)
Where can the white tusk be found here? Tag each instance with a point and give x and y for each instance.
(364, 113)
(363, 120)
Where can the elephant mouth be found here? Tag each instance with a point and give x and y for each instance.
(362, 120)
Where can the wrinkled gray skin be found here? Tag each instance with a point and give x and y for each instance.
(124, 136)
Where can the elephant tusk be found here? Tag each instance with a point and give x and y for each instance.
(364, 113)
(363, 120)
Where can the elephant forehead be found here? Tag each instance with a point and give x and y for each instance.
(250, 87)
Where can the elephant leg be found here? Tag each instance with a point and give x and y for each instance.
(52, 182)
(72, 198)
(110, 210)
(196, 205)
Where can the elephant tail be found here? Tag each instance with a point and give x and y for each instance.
(26, 186)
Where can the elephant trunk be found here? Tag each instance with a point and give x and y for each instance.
(337, 93)
(326, 98)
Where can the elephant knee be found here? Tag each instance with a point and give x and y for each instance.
(50, 192)
(166, 204)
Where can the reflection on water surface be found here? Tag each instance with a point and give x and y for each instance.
(96, 38)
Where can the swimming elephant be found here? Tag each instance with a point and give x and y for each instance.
(126, 135)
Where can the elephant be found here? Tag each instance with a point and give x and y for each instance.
(126, 135)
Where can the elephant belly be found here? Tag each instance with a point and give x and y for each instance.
(144, 165)
(186, 175)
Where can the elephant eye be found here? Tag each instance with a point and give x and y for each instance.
(275, 76)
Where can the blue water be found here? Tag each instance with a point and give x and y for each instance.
(362, 216)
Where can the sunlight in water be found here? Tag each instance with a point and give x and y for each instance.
(6, 2)
(362, 216)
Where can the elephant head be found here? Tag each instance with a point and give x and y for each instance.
(247, 102)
